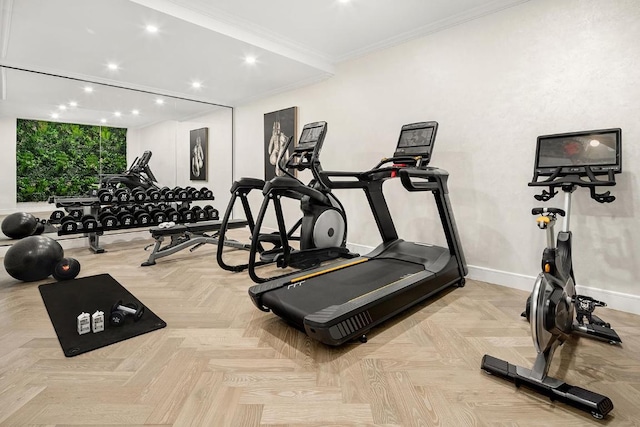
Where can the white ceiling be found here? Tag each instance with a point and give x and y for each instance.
(295, 42)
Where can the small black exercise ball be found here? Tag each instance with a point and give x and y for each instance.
(19, 225)
(66, 269)
(33, 258)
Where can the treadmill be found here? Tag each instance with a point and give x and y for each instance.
(343, 301)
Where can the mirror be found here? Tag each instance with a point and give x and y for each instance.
(160, 123)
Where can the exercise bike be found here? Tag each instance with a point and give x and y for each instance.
(322, 229)
(568, 161)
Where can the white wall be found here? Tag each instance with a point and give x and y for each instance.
(8, 165)
(494, 84)
(169, 143)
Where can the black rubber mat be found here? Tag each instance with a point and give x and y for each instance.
(65, 300)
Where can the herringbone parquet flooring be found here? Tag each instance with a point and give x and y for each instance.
(222, 362)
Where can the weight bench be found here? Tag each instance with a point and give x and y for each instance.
(185, 235)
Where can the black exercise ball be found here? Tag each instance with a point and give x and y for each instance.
(19, 225)
(33, 258)
(66, 269)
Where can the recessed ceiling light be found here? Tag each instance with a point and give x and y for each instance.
(88, 89)
(151, 28)
(159, 101)
(73, 104)
(196, 85)
(103, 120)
(54, 115)
(250, 59)
(112, 66)
(117, 114)
(62, 107)
(135, 112)
(344, 1)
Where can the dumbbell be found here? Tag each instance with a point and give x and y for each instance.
(170, 214)
(199, 214)
(192, 193)
(157, 216)
(168, 194)
(142, 216)
(89, 223)
(56, 216)
(75, 214)
(69, 224)
(212, 213)
(122, 195)
(125, 218)
(119, 312)
(153, 194)
(105, 196)
(186, 215)
(205, 193)
(138, 194)
(181, 193)
(108, 219)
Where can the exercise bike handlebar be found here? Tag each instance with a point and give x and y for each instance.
(540, 211)
(568, 182)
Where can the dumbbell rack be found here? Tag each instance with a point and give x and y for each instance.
(92, 205)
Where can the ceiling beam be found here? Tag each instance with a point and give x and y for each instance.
(267, 42)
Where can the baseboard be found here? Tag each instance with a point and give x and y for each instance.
(628, 303)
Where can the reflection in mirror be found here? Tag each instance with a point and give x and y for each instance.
(158, 123)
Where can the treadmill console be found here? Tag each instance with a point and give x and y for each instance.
(579, 153)
(417, 140)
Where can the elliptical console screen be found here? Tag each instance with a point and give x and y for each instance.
(311, 134)
(417, 139)
(576, 152)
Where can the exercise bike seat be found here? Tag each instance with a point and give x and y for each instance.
(295, 189)
(251, 183)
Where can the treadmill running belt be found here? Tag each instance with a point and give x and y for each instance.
(293, 303)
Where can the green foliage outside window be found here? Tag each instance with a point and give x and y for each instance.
(64, 159)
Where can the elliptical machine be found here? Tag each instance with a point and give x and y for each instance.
(568, 161)
(322, 228)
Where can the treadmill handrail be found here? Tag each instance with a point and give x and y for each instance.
(430, 173)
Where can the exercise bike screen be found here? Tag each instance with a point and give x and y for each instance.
(585, 150)
(415, 137)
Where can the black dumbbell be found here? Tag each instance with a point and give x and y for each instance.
(56, 216)
(205, 193)
(181, 194)
(212, 213)
(122, 195)
(69, 224)
(93, 192)
(75, 214)
(89, 223)
(125, 218)
(108, 220)
(138, 194)
(157, 216)
(186, 215)
(142, 216)
(171, 215)
(105, 196)
(168, 194)
(119, 313)
(193, 193)
(153, 194)
(199, 214)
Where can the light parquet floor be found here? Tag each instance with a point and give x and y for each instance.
(222, 362)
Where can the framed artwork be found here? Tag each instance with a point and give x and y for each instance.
(198, 150)
(279, 126)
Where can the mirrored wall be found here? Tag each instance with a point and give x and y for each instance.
(168, 126)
